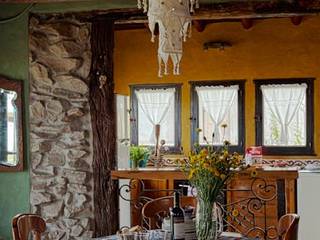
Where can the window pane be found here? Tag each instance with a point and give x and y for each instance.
(284, 115)
(218, 105)
(156, 107)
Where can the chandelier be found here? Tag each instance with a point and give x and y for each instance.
(174, 22)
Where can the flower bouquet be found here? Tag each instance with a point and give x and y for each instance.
(208, 168)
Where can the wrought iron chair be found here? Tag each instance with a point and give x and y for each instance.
(24, 224)
(288, 227)
(154, 211)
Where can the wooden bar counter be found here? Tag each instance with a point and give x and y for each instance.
(171, 173)
(262, 195)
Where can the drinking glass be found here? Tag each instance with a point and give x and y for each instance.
(142, 236)
(160, 235)
(126, 236)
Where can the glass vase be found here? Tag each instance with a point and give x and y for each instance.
(207, 220)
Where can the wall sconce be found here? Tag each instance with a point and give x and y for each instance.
(217, 45)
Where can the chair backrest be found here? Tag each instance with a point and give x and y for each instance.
(288, 227)
(154, 211)
(24, 224)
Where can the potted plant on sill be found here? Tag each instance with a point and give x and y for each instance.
(138, 156)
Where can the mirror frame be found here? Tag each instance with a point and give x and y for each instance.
(17, 86)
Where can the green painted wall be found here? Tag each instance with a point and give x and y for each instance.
(15, 187)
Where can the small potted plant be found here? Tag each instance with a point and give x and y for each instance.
(138, 156)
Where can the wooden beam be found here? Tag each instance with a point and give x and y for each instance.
(243, 10)
(225, 11)
(247, 23)
(103, 121)
(40, 1)
(297, 20)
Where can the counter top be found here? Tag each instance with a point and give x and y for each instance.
(175, 174)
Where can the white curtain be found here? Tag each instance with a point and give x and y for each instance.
(156, 106)
(283, 101)
(217, 101)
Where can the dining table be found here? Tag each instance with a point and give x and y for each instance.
(223, 236)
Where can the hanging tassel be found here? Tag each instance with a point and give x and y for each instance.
(192, 2)
(190, 30)
(159, 67)
(166, 69)
(197, 3)
(145, 6)
(165, 58)
(152, 26)
(176, 58)
(139, 4)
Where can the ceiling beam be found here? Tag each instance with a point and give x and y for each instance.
(244, 10)
(227, 11)
(40, 1)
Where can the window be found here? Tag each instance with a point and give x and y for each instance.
(156, 105)
(214, 105)
(284, 116)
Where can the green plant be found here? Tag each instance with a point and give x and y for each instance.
(137, 154)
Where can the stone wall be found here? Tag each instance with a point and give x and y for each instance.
(60, 127)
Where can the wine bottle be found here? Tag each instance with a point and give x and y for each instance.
(177, 219)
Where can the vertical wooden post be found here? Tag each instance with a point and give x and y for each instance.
(103, 118)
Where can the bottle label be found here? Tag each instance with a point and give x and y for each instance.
(178, 228)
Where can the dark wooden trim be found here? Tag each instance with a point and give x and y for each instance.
(247, 23)
(103, 120)
(281, 197)
(17, 86)
(200, 25)
(296, 20)
(134, 112)
(309, 149)
(241, 110)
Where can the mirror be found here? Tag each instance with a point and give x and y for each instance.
(11, 139)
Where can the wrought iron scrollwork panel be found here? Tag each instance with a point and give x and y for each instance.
(249, 214)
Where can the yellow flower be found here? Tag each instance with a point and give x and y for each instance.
(224, 125)
(215, 172)
(235, 213)
(198, 130)
(192, 172)
(206, 165)
(204, 152)
(254, 173)
(226, 143)
(223, 177)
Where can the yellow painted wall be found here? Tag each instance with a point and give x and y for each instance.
(273, 48)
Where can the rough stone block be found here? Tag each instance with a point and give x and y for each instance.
(52, 210)
(39, 74)
(77, 188)
(76, 230)
(75, 176)
(37, 198)
(71, 84)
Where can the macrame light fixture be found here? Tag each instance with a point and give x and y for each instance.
(174, 21)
